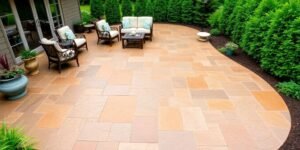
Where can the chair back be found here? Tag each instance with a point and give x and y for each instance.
(50, 49)
(61, 32)
(100, 33)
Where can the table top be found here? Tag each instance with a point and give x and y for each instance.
(89, 25)
(137, 36)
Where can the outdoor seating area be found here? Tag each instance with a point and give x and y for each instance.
(124, 98)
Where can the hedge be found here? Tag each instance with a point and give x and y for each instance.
(112, 11)
(149, 8)
(174, 11)
(187, 11)
(97, 8)
(140, 8)
(126, 8)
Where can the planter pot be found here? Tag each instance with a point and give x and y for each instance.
(32, 66)
(14, 88)
(78, 28)
(229, 52)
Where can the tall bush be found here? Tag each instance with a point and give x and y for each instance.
(174, 11)
(228, 9)
(256, 27)
(215, 19)
(281, 53)
(149, 11)
(187, 11)
(140, 6)
(203, 9)
(233, 16)
(126, 8)
(112, 11)
(97, 8)
(160, 10)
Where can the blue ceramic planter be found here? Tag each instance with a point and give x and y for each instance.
(14, 88)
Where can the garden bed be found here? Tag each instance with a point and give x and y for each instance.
(293, 140)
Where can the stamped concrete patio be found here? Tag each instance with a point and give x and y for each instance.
(175, 94)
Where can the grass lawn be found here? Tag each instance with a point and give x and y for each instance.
(86, 8)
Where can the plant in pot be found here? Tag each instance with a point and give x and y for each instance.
(13, 83)
(86, 19)
(14, 139)
(229, 49)
(30, 62)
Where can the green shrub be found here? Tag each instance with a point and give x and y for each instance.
(126, 8)
(187, 11)
(229, 28)
(97, 8)
(112, 11)
(256, 27)
(229, 49)
(27, 54)
(227, 10)
(243, 15)
(85, 17)
(291, 89)
(215, 32)
(140, 7)
(281, 53)
(200, 13)
(149, 8)
(14, 139)
(160, 10)
(215, 19)
(174, 11)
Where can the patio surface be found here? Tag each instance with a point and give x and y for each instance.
(175, 94)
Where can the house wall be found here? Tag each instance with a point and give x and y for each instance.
(71, 12)
(4, 48)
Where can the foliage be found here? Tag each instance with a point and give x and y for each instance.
(203, 9)
(291, 89)
(160, 10)
(187, 11)
(27, 54)
(174, 11)
(256, 27)
(97, 8)
(228, 8)
(112, 11)
(215, 32)
(6, 71)
(229, 49)
(215, 19)
(126, 8)
(140, 8)
(14, 139)
(281, 53)
(149, 10)
(85, 17)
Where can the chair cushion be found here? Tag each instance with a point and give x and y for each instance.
(62, 32)
(70, 35)
(129, 30)
(133, 21)
(145, 21)
(126, 24)
(114, 33)
(100, 24)
(47, 42)
(80, 41)
(66, 54)
(143, 30)
(106, 27)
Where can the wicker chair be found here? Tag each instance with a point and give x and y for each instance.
(106, 35)
(79, 42)
(57, 55)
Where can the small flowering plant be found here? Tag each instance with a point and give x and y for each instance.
(229, 48)
(7, 72)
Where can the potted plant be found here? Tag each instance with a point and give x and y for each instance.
(86, 19)
(229, 49)
(14, 139)
(13, 83)
(30, 62)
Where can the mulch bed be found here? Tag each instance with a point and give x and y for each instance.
(293, 140)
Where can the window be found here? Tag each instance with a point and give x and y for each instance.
(56, 13)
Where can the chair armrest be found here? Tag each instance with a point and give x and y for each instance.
(80, 36)
(114, 28)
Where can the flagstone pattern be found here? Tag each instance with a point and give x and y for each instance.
(175, 94)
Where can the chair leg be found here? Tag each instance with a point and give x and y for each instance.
(77, 62)
(59, 67)
(87, 49)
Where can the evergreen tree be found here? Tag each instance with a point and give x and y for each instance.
(126, 8)
(174, 11)
(215, 19)
(232, 17)
(160, 10)
(202, 11)
(140, 7)
(112, 11)
(256, 27)
(149, 8)
(187, 11)
(281, 53)
(97, 8)
(227, 10)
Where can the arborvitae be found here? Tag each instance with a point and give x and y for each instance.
(232, 17)
(281, 53)
(140, 7)
(126, 8)
(174, 11)
(199, 13)
(215, 19)
(187, 11)
(160, 10)
(97, 8)
(242, 17)
(228, 9)
(149, 8)
(256, 27)
(112, 11)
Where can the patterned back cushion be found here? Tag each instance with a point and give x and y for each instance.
(145, 22)
(106, 27)
(62, 32)
(70, 35)
(126, 23)
(100, 24)
(133, 21)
